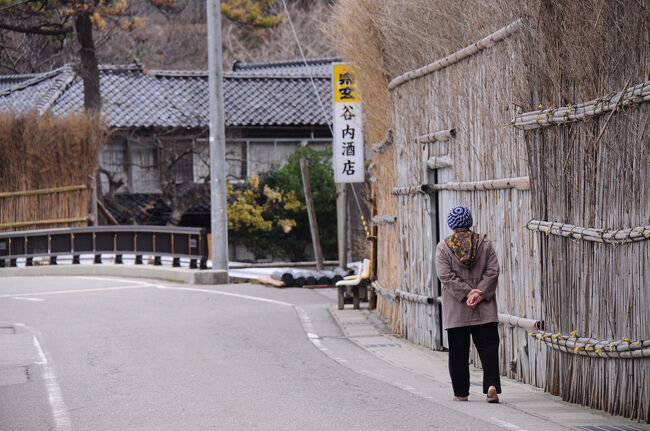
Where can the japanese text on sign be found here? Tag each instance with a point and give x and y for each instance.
(347, 144)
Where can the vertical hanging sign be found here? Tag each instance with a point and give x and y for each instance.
(347, 142)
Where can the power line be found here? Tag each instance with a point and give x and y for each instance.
(304, 59)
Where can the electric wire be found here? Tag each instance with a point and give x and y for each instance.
(304, 60)
(320, 102)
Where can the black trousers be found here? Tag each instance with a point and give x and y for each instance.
(486, 340)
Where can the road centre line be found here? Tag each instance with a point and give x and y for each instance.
(54, 396)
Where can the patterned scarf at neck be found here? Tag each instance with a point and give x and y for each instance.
(464, 243)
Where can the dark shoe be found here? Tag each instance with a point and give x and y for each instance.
(492, 396)
(461, 398)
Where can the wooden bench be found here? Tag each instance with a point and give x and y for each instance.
(352, 285)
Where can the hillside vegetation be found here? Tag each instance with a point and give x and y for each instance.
(175, 39)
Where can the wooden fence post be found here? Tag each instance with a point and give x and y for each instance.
(311, 213)
(341, 222)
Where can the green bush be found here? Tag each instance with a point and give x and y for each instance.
(287, 179)
(260, 217)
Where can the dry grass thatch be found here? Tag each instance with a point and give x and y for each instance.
(44, 151)
(591, 173)
(579, 50)
(363, 49)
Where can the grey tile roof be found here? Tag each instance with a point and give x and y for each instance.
(256, 94)
(321, 67)
(8, 81)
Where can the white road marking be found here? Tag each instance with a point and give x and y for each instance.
(119, 280)
(41, 355)
(506, 424)
(304, 318)
(218, 292)
(61, 292)
(317, 341)
(25, 298)
(55, 397)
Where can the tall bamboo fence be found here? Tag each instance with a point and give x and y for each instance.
(472, 97)
(47, 167)
(591, 171)
(496, 94)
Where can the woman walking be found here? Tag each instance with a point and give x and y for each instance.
(468, 268)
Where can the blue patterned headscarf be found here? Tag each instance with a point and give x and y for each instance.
(460, 216)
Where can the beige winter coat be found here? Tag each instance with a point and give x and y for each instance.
(458, 280)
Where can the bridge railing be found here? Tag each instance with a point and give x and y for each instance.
(157, 241)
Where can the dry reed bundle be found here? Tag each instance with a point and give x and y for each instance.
(609, 236)
(622, 349)
(413, 297)
(520, 322)
(380, 220)
(519, 183)
(411, 190)
(440, 135)
(382, 145)
(388, 294)
(41, 152)
(439, 162)
(611, 102)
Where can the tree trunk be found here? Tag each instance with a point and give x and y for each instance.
(175, 216)
(89, 69)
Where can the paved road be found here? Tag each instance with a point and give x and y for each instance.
(114, 354)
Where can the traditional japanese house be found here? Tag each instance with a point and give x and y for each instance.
(271, 108)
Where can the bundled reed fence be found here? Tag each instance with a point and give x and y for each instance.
(590, 170)
(495, 71)
(47, 169)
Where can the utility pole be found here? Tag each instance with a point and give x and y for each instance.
(218, 204)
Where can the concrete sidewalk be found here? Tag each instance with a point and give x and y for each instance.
(367, 330)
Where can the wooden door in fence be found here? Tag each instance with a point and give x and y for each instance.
(44, 208)
(441, 202)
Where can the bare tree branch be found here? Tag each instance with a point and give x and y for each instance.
(40, 29)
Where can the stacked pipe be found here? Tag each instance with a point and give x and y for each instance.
(300, 278)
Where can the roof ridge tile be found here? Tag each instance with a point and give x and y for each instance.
(291, 62)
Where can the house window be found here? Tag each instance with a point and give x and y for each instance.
(181, 160)
(113, 159)
(250, 156)
(262, 155)
(145, 174)
(236, 161)
(201, 158)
